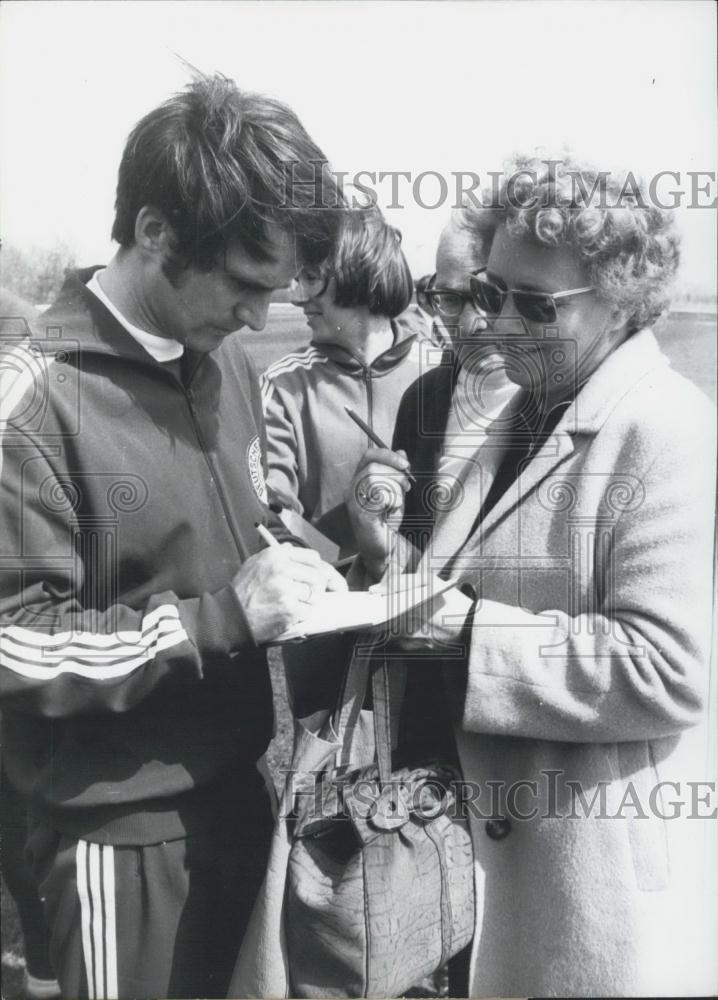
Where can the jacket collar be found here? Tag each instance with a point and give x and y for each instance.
(611, 381)
(405, 332)
(85, 322)
(608, 385)
(86, 326)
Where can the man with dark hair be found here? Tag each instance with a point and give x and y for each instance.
(135, 591)
(222, 165)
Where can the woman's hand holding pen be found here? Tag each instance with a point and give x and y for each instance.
(375, 503)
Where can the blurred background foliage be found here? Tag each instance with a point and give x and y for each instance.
(34, 274)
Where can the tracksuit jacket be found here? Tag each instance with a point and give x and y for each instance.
(133, 695)
(313, 448)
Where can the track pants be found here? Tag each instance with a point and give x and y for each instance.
(164, 920)
(21, 883)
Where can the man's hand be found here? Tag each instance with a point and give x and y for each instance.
(375, 502)
(277, 585)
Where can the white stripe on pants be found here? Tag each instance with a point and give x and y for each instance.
(96, 889)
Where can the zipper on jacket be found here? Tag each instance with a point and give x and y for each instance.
(189, 397)
(186, 391)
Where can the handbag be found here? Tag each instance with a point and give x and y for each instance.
(380, 879)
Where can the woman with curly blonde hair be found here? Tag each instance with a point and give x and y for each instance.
(585, 528)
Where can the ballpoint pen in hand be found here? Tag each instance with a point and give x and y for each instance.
(372, 436)
(266, 535)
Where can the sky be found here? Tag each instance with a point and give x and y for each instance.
(382, 86)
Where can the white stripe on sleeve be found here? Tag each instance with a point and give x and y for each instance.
(291, 362)
(99, 656)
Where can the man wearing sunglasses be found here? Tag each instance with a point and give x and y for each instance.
(583, 678)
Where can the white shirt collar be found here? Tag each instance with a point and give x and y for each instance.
(162, 349)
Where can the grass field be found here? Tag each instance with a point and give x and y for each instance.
(688, 339)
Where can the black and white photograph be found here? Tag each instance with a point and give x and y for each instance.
(358, 382)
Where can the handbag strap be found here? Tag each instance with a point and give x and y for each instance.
(369, 660)
(352, 694)
(381, 696)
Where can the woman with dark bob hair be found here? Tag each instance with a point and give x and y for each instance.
(583, 530)
(363, 355)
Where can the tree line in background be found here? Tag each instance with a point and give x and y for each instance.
(34, 275)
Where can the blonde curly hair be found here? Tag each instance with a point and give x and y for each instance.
(630, 247)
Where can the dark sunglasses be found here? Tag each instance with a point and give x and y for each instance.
(536, 307)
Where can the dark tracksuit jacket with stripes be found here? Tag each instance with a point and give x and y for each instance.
(133, 695)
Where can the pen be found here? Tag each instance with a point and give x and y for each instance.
(372, 436)
(266, 535)
(271, 540)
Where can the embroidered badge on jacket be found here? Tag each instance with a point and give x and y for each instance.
(256, 472)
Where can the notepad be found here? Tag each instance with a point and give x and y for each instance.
(299, 526)
(351, 610)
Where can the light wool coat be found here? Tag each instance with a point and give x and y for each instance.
(589, 663)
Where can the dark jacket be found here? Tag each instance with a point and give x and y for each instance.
(133, 694)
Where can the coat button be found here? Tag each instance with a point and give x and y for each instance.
(497, 829)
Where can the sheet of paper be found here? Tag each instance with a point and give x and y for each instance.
(352, 610)
(299, 526)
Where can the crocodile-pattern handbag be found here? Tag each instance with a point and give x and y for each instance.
(380, 889)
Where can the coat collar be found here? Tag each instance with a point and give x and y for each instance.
(609, 384)
(604, 390)
(612, 380)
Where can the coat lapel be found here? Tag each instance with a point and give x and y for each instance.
(456, 514)
(555, 450)
(609, 384)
